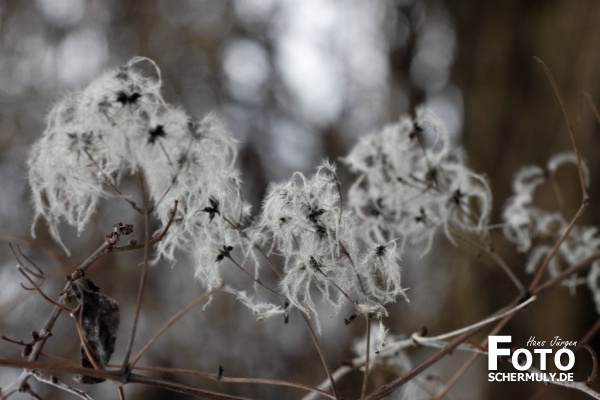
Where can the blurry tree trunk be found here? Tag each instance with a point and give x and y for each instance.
(512, 118)
(511, 115)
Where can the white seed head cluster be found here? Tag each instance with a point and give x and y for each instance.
(118, 125)
(534, 230)
(306, 224)
(412, 182)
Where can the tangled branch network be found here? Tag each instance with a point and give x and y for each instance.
(313, 245)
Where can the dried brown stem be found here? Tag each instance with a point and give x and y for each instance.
(26, 272)
(563, 108)
(52, 381)
(465, 367)
(585, 196)
(593, 106)
(594, 373)
(85, 346)
(155, 239)
(502, 317)
(392, 386)
(110, 240)
(37, 348)
(249, 275)
(488, 249)
(540, 272)
(171, 322)
(125, 367)
(589, 335)
(108, 180)
(230, 379)
(363, 391)
(319, 348)
(552, 282)
(256, 246)
(115, 376)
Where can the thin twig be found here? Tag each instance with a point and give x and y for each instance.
(584, 193)
(424, 339)
(540, 272)
(358, 277)
(363, 391)
(594, 372)
(593, 106)
(37, 348)
(143, 279)
(545, 286)
(465, 367)
(434, 358)
(110, 183)
(121, 392)
(581, 386)
(155, 239)
(255, 245)
(109, 241)
(456, 377)
(53, 381)
(392, 386)
(231, 379)
(256, 280)
(552, 282)
(563, 107)
(181, 388)
(324, 362)
(70, 368)
(85, 346)
(115, 376)
(391, 349)
(589, 334)
(498, 259)
(171, 322)
(25, 272)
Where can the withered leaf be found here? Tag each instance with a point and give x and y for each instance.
(98, 318)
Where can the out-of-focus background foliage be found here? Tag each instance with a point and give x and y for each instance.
(297, 81)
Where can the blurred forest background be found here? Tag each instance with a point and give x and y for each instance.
(297, 81)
